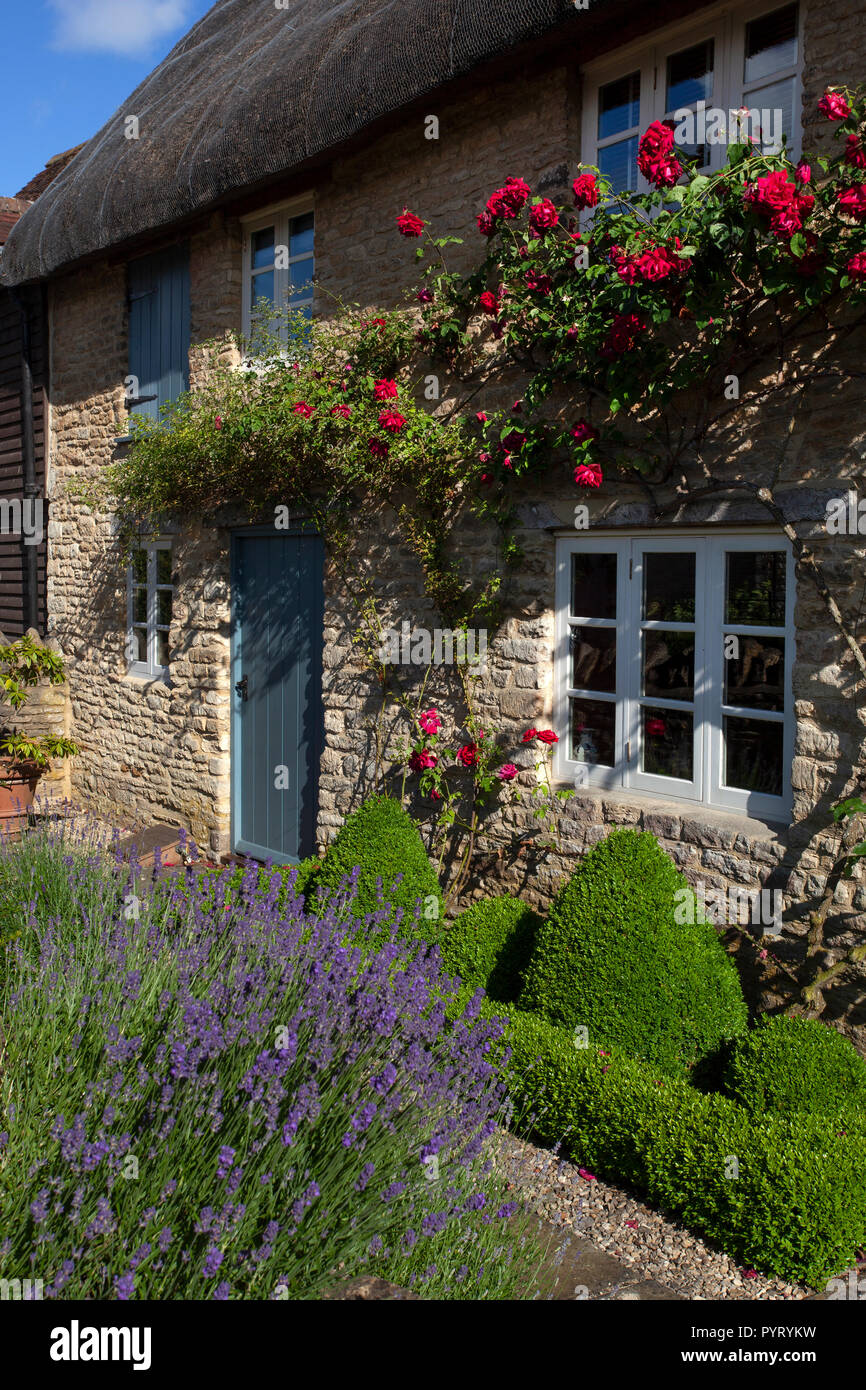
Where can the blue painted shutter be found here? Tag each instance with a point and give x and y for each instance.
(159, 327)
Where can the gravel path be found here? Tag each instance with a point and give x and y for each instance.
(657, 1246)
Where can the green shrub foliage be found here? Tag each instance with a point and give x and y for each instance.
(381, 839)
(613, 957)
(489, 945)
(783, 1193)
(791, 1065)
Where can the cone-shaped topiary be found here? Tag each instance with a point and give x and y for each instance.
(490, 944)
(382, 839)
(624, 953)
(792, 1065)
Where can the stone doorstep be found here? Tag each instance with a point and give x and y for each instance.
(165, 838)
(586, 1272)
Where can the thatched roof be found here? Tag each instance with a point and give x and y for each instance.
(251, 92)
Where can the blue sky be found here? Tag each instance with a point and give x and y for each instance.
(69, 64)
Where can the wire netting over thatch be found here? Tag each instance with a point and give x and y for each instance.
(251, 92)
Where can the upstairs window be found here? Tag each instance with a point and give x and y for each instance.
(727, 61)
(150, 595)
(674, 667)
(158, 298)
(279, 264)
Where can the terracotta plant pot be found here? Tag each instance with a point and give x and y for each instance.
(18, 782)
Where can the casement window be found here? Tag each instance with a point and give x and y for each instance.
(727, 60)
(673, 667)
(278, 263)
(158, 299)
(149, 601)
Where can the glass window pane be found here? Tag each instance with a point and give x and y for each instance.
(262, 287)
(669, 665)
(263, 248)
(669, 586)
(668, 743)
(139, 605)
(593, 658)
(771, 113)
(301, 272)
(139, 566)
(619, 105)
(690, 76)
(593, 732)
(755, 673)
(163, 567)
(771, 43)
(139, 635)
(755, 588)
(301, 235)
(162, 648)
(753, 755)
(593, 586)
(163, 607)
(618, 163)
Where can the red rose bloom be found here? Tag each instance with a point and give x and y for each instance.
(507, 772)
(419, 761)
(856, 267)
(854, 152)
(303, 409)
(489, 303)
(548, 736)
(410, 225)
(486, 223)
(834, 106)
(514, 440)
(510, 199)
(655, 161)
(344, 410)
(585, 190)
(655, 727)
(622, 335)
(218, 422)
(384, 390)
(392, 420)
(468, 754)
(582, 431)
(430, 721)
(588, 475)
(529, 735)
(543, 216)
(853, 201)
(657, 264)
(424, 296)
(624, 265)
(542, 284)
(379, 448)
(803, 172)
(481, 415)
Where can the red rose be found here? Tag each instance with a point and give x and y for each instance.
(548, 736)
(834, 106)
(489, 303)
(541, 283)
(583, 430)
(384, 390)
(468, 755)
(218, 422)
(514, 440)
(588, 475)
(622, 335)
(585, 190)
(344, 410)
(543, 216)
(303, 409)
(655, 727)
(856, 267)
(392, 420)
(419, 761)
(507, 772)
(529, 735)
(771, 193)
(481, 415)
(854, 152)
(853, 201)
(486, 223)
(379, 448)
(410, 225)
(510, 199)
(657, 264)
(655, 161)
(424, 296)
(803, 172)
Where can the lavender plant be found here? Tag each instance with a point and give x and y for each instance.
(211, 1095)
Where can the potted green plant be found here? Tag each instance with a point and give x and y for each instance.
(23, 759)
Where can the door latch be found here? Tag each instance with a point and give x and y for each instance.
(242, 687)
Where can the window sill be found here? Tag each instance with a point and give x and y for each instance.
(711, 827)
(148, 678)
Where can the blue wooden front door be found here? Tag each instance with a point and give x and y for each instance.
(277, 614)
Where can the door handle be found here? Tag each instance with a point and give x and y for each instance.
(242, 687)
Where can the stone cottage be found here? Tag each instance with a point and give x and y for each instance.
(226, 650)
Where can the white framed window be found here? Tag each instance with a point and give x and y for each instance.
(732, 57)
(278, 260)
(150, 594)
(673, 666)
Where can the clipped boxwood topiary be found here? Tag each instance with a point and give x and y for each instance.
(791, 1065)
(382, 839)
(490, 944)
(619, 955)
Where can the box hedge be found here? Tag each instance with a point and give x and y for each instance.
(624, 952)
(490, 944)
(791, 1065)
(783, 1193)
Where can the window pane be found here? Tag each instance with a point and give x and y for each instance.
(668, 743)
(163, 567)
(618, 163)
(139, 605)
(773, 109)
(263, 248)
(690, 76)
(753, 755)
(593, 658)
(139, 566)
(771, 43)
(593, 732)
(301, 235)
(163, 607)
(754, 676)
(162, 648)
(669, 586)
(669, 665)
(593, 586)
(139, 635)
(619, 105)
(262, 287)
(755, 588)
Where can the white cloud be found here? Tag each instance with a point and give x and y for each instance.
(126, 27)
